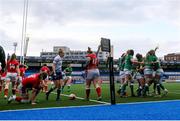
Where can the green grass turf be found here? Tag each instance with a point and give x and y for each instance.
(79, 90)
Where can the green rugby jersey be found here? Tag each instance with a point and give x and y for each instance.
(128, 63)
(68, 71)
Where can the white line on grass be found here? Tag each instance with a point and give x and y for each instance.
(80, 98)
(178, 93)
(89, 106)
(53, 108)
(102, 103)
(149, 102)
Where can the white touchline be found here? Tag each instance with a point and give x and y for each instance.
(80, 98)
(161, 101)
(178, 93)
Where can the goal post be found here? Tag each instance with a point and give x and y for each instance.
(106, 46)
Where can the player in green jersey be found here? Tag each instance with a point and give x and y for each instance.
(68, 77)
(121, 71)
(128, 72)
(139, 74)
(148, 71)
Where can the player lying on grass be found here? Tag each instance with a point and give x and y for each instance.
(33, 82)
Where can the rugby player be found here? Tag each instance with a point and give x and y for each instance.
(12, 75)
(45, 81)
(128, 73)
(150, 60)
(139, 75)
(121, 71)
(158, 71)
(32, 82)
(92, 74)
(68, 77)
(22, 70)
(57, 76)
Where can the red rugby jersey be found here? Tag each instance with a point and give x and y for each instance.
(33, 80)
(12, 65)
(93, 61)
(45, 68)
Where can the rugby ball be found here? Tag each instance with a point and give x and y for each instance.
(72, 96)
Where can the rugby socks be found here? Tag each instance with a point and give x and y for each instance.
(154, 88)
(162, 87)
(123, 89)
(98, 90)
(18, 99)
(69, 86)
(13, 91)
(58, 93)
(87, 93)
(139, 91)
(145, 90)
(63, 87)
(158, 89)
(50, 91)
(132, 89)
(47, 94)
(119, 90)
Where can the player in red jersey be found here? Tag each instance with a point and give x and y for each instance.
(32, 82)
(12, 75)
(45, 81)
(92, 74)
(22, 70)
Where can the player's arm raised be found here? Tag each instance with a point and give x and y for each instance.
(87, 62)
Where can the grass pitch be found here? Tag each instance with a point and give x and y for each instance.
(79, 90)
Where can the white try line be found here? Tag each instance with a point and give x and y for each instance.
(146, 102)
(178, 93)
(80, 98)
(49, 108)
